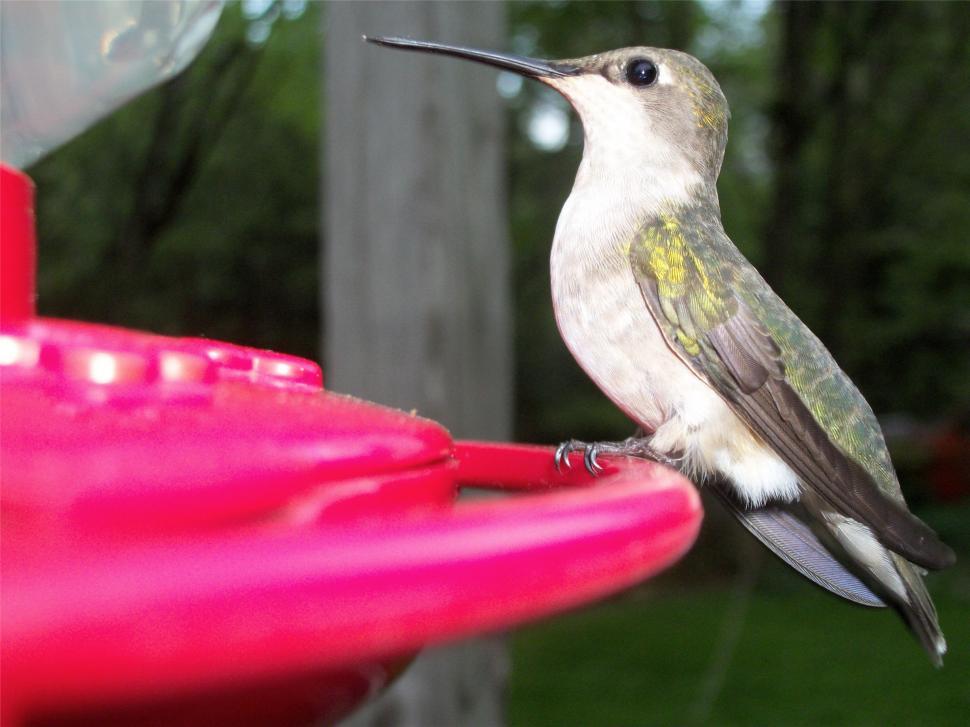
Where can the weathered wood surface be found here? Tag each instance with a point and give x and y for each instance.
(416, 265)
(416, 270)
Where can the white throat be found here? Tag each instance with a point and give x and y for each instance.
(626, 173)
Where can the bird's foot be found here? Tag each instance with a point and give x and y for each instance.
(631, 447)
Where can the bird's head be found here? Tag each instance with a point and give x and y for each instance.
(653, 106)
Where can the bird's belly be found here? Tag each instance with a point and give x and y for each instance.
(608, 329)
(611, 333)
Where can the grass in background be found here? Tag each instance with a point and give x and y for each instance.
(801, 658)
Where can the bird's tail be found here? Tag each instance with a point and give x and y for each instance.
(919, 613)
(890, 576)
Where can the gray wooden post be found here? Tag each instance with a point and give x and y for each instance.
(416, 269)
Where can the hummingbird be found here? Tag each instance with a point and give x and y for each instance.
(682, 333)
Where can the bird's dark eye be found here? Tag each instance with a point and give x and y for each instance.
(642, 72)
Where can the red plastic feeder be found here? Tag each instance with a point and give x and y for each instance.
(196, 532)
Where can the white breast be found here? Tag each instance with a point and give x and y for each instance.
(606, 325)
(604, 321)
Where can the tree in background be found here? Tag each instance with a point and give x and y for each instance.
(193, 210)
(416, 273)
(866, 237)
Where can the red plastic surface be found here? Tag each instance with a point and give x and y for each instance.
(207, 611)
(161, 454)
(18, 245)
(197, 532)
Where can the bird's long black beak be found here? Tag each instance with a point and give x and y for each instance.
(531, 67)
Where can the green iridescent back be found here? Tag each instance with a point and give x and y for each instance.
(700, 277)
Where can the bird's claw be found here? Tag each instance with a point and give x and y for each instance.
(590, 459)
(590, 454)
(563, 451)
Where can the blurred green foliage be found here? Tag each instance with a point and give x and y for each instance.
(763, 647)
(194, 209)
(711, 656)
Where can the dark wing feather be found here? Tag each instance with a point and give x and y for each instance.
(778, 415)
(788, 537)
(750, 355)
(717, 334)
